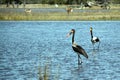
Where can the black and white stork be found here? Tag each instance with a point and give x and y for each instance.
(94, 39)
(78, 49)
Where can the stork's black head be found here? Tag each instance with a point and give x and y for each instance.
(71, 32)
(91, 29)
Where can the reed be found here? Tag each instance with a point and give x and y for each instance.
(43, 75)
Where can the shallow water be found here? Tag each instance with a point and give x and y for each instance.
(27, 46)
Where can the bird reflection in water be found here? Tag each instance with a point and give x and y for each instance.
(94, 53)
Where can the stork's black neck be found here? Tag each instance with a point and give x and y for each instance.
(91, 34)
(73, 37)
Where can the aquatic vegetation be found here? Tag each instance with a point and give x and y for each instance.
(43, 75)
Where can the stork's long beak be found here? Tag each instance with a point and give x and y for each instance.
(69, 34)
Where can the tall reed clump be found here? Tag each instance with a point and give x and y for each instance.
(47, 70)
(43, 75)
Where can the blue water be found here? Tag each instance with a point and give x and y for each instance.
(26, 47)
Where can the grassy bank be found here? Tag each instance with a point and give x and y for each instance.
(112, 14)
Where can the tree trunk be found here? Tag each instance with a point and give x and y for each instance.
(24, 3)
(7, 3)
(13, 4)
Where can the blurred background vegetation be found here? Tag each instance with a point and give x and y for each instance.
(69, 2)
(86, 3)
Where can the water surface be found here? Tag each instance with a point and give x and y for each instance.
(27, 46)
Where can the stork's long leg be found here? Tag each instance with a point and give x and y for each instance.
(99, 44)
(93, 45)
(79, 60)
